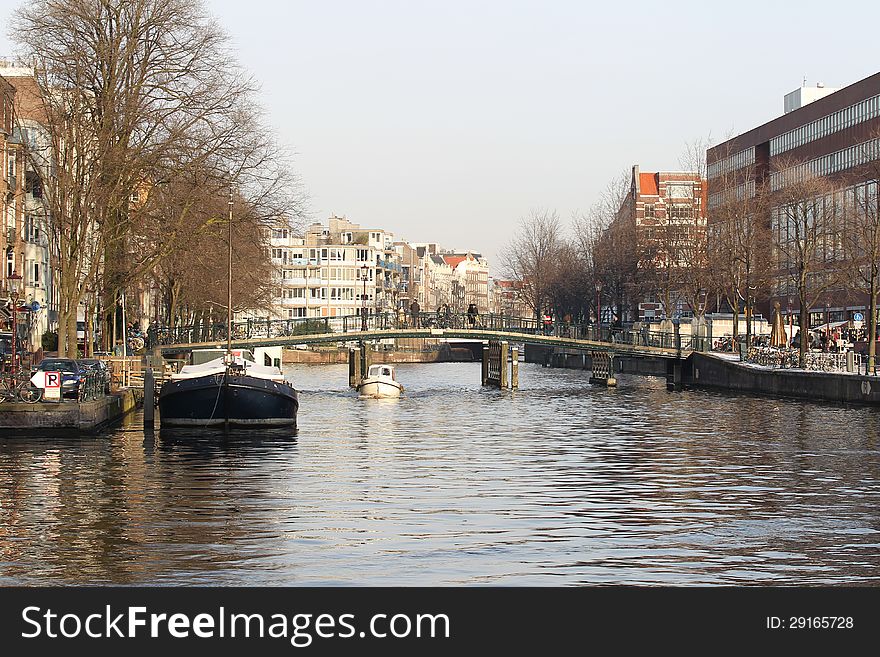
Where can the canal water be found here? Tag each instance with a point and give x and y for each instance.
(557, 483)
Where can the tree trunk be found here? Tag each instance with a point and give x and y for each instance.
(735, 307)
(804, 319)
(872, 327)
(73, 349)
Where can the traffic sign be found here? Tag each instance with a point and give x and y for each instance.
(53, 385)
(858, 317)
(53, 379)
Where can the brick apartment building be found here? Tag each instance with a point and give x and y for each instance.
(665, 211)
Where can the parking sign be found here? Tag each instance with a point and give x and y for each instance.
(52, 388)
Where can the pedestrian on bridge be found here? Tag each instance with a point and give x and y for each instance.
(414, 312)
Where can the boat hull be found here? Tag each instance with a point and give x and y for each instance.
(379, 388)
(242, 401)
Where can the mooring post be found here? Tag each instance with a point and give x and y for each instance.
(514, 368)
(149, 398)
(354, 367)
(365, 360)
(485, 368)
(502, 365)
(673, 374)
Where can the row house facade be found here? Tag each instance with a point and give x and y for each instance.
(26, 223)
(342, 268)
(334, 270)
(453, 278)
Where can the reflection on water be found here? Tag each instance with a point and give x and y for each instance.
(556, 483)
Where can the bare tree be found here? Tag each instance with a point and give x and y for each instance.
(738, 238)
(861, 234)
(806, 220)
(135, 92)
(610, 228)
(531, 257)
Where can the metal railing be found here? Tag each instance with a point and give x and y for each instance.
(257, 329)
(813, 361)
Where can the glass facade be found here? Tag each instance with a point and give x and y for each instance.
(731, 163)
(845, 118)
(828, 164)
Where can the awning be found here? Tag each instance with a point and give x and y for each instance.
(831, 326)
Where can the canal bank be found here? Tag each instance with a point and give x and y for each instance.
(716, 371)
(20, 419)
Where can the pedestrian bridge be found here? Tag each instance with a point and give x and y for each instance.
(352, 329)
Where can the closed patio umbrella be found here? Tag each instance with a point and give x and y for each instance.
(778, 337)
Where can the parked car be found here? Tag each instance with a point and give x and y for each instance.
(100, 367)
(72, 374)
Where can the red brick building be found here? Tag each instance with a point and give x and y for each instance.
(665, 213)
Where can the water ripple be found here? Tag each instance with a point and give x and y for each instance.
(557, 483)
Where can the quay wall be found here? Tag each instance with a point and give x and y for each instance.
(54, 417)
(712, 371)
(578, 360)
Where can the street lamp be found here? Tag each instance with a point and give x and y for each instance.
(827, 323)
(364, 271)
(598, 310)
(14, 283)
(790, 322)
(750, 314)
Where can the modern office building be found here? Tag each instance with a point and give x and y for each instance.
(831, 135)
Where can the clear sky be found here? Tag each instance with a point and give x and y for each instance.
(447, 121)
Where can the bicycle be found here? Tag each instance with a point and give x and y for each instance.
(19, 388)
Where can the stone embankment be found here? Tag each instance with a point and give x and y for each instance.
(67, 416)
(719, 372)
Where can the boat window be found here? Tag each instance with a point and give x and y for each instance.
(386, 371)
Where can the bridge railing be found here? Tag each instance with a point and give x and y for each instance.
(254, 329)
(258, 329)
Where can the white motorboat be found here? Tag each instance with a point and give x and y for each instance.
(380, 382)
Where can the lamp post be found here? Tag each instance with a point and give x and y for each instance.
(364, 271)
(790, 324)
(14, 282)
(598, 310)
(702, 301)
(750, 314)
(827, 323)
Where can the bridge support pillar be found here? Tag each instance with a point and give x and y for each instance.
(495, 364)
(603, 368)
(149, 398)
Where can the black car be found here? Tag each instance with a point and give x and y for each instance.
(100, 367)
(72, 374)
